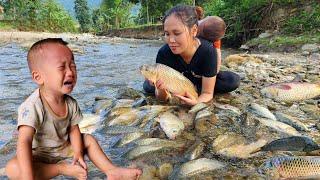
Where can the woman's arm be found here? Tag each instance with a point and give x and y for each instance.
(211, 66)
(219, 60)
(24, 151)
(208, 84)
(206, 94)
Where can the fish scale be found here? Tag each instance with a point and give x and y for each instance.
(174, 81)
(295, 166)
(198, 166)
(290, 92)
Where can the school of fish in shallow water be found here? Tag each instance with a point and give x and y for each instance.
(266, 129)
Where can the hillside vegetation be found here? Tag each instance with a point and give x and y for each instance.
(285, 21)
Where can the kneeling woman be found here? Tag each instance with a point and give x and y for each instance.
(194, 57)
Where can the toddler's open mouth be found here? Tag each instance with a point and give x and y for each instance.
(68, 83)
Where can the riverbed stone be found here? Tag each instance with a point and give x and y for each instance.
(310, 47)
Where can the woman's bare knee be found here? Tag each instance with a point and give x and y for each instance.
(12, 169)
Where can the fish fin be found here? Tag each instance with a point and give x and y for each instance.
(284, 86)
(169, 94)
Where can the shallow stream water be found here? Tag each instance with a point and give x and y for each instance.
(102, 70)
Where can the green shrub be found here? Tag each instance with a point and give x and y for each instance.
(304, 21)
(55, 18)
(83, 16)
(39, 15)
(243, 17)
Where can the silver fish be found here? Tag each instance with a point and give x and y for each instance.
(279, 126)
(294, 122)
(114, 130)
(195, 150)
(154, 141)
(89, 123)
(197, 166)
(227, 107)
(153, 148)
(261, 111)
(171, 125)
(128, 138)
(198, 107)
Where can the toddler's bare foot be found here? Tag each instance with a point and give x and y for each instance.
(119, 173)
(72, 170)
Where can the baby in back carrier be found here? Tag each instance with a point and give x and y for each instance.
(213, 28)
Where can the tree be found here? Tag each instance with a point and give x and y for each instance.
(55, 18)
(100, 20)
(82, 14)
(118, 11)
(155, 9)
(39, 15)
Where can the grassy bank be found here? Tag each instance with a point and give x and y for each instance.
(283, 42)
(4, 26)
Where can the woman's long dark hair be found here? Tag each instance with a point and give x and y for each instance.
(189, 15)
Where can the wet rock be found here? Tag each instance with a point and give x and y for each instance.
(165, 170)
(315, 57)
(149, 172)
(305, 53)
(312, 110)
(265, 35)
(232, 61)
(244, 47)
(310, 47)
(129, 93)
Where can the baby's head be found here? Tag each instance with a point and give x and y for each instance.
(52, 65)
(211, 28)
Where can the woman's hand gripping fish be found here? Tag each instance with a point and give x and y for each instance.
(173, 80)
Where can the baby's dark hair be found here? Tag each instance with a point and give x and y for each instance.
(212, 28)
(36, 47)
(189, 15)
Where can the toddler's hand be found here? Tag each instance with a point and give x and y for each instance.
(78, 158)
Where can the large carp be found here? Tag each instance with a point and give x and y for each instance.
(304, 167)
(291, 91)
(174, 81)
